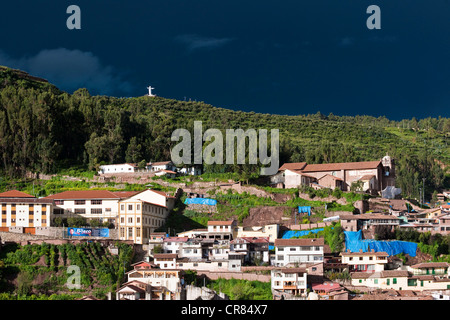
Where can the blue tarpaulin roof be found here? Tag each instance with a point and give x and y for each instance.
(355, 243)
(304, 209)
(207, 201)
(292, 233)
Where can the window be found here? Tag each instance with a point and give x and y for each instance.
(138, 207)
(130, 207)
(122, 207)
(122, 220)
(96, 202)
(394, 281)
(59, 202)
(122, 232)
(96, 211)
(107, 209)
(80, 202)
(80, 211)
(130, 232)
(130, 220)
(138, 232)
(138, 219)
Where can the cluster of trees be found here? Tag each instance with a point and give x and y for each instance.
(43, 130)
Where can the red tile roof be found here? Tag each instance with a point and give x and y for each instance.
(84, 194)
(162, 193)
(15, 194)
(293, 166)
(220, 223)
(342, 166)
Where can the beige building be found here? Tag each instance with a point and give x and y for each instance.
(141, 214)
(429, 276)
(20, 209)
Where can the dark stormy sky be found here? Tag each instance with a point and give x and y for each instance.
(285, 56)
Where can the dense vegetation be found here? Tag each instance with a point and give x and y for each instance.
(45, 130)
(42, 271)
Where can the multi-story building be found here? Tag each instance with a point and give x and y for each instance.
(166, 282)
(222, 230)
(141, 214)
(255, 248)
(173, 244)
(101, 205)
(364, 261)
(292, 281)
(19, 209)
(294, 251)
(368, 220)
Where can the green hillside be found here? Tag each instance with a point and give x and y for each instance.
(45, 130)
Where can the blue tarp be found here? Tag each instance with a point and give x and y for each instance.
(292, 233)
(207, 201)
(355, 243)
(305, 209)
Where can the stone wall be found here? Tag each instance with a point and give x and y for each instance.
(234, 275)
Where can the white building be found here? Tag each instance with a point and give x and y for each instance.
(163, 165)
(90, 204)
(174, 244)
(289, 280)
(365, 261)
(20, 209)
(166, 278)
(190, 171)
(118, 168)
(292, 251)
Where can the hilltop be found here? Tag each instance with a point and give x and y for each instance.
(46, 130)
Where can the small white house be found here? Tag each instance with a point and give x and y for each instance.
(118, 168)
(190, 171)
(164, 165)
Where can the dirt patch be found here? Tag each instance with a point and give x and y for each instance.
(270, 215)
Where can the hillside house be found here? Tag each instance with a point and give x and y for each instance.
(134, 290)
(293, 251)
(174, 244)
(270, 230)
(290, 281)
(255, 248)
(168, 281)
(374, 175)
(118, 168)
(365, 261)
(222, 230)
(368, 221)
(163, 165)
(401, 280)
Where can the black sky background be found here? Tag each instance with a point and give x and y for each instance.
(283, 57)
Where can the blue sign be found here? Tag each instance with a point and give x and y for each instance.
(88, 232)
